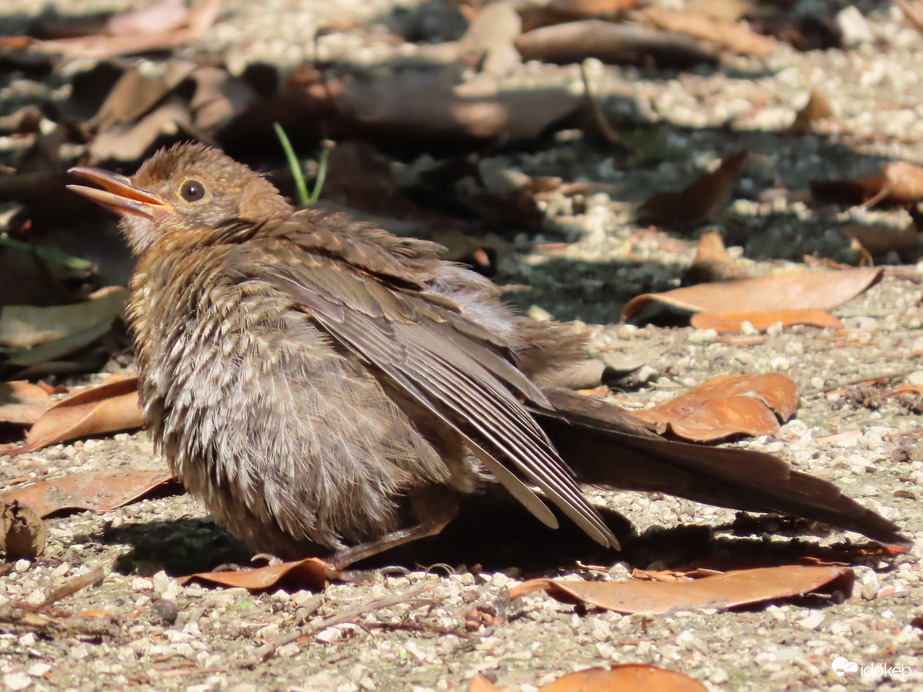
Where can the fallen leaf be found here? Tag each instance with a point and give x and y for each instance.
(57, 348)
(817, 108)
(99, 47)
(712, 262)
(156, 18)
(733, 35)
(136, 93)
(420, 106)
(817, 290)
(761, 320)
(108, 408)
(129, 141)
(593, 8)
(611, 43)
(308, 573)
(99, 491)
(897, 183)
(880, 239)
(22, 403)
(28, 325)
(729, 590)
(22, 532)
(481, 684)
(630, 677)
(727, 405)
(913, 12)
(696, 202)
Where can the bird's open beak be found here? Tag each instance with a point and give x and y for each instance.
(119, 194)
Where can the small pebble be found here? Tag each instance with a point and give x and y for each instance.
(164, 611)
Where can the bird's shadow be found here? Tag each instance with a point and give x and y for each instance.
(493, 536)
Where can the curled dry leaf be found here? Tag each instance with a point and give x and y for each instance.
(761, 320)
(729, 590)
(22, 403)
(818, 290)
(108, 408)
(817, 108)
(712, 262)
(696, 202)
(611, 43)
(733, 35)
(308, 573)
(880, 239)
(99, 491)
(727, 405)
(898, 182)
(22, 531)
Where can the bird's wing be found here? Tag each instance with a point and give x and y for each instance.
(435, 356)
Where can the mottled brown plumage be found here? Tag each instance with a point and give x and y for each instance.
(322, 384)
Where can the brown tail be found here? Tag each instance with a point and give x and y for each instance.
(607, 446)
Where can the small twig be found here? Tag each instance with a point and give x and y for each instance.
(75, 584)
(264, 653)
(608, 132)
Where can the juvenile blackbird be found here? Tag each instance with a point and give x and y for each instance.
(327, 387)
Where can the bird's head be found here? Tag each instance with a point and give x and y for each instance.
(187, 188)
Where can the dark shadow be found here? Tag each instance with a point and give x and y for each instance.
(492, 534)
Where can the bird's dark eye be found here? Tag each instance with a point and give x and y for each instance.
(192, 191)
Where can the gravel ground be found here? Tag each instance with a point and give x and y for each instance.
(596, 257)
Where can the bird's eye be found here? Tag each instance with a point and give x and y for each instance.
(192, 191)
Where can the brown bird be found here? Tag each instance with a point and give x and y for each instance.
(327, 387)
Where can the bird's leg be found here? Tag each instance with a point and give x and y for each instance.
(432, 507)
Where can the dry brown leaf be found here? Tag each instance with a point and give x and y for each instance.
(99, 47)
(593, 8)
(159, 17)
(481, 684)
(29, 325)
(630, 677)
(727, 405)
(733, 35)
(611, 43)
(696, 202)
(58, 348)
(308, 573)
(22, 403)
(761, 320)
(22, 531)
(913, 12)
(729, 590)
(880, 239)
(898, 182)
(137, 93)
(108, 408)
(99, 491)
(817, 108)
(419, 105)
(712, 262)
(818, 290)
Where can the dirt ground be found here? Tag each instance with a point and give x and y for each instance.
(592, 257)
